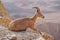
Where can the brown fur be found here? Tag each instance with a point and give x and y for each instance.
(23, 24)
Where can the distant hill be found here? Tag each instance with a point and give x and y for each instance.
(51, 28)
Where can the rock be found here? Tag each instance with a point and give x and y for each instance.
(9, 37)
(5, 34)
(29, 34)
(47, 36)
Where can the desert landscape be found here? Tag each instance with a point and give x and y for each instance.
(50, 9)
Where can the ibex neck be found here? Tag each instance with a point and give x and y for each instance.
(34, 18)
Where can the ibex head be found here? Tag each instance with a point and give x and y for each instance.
(38, 12)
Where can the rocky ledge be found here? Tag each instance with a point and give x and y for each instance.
(29, 34)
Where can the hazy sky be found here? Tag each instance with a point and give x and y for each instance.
(47, 6)
(18, 8)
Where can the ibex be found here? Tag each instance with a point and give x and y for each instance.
(23, 24)
(5, 17)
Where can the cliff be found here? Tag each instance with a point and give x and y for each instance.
(29, 34)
